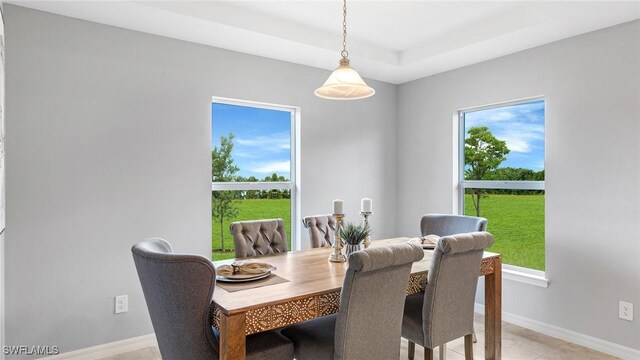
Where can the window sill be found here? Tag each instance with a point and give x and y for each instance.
(525, 276)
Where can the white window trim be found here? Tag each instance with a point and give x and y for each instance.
(250, 185)
(497, 184)
(294, 184)
(525, 275)
(509, 272)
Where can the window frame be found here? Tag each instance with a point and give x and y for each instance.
(294, 175)
(513, 272)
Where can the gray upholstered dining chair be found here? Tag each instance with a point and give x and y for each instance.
(369, 321)
(178, 289)
(259, 237)
(322, 230)
(444, 311)
(446, 224)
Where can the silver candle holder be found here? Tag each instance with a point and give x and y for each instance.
(337, 255)
(367, 240)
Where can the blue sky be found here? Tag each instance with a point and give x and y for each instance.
(521, 126)
(262, 138)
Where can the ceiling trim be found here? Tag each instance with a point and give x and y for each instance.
(511, 28)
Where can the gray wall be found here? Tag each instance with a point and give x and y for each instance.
(591, 84)
(2, 251)
(108, 142)
(108, 135)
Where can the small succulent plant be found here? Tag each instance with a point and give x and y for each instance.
(354, 234)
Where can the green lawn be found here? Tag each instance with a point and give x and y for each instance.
(517, 223)
(250, 210)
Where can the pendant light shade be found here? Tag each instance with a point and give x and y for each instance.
(344, 83)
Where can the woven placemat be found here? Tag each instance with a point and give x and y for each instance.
(269, 280)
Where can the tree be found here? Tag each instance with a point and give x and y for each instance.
(223, 170)
(276, 194)
(483, 153)
(512, 174)
(252, 194)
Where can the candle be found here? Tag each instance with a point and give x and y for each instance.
(338, 206)
(365, 205)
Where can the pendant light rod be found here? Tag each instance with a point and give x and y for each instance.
(344, 53)
(344, 83)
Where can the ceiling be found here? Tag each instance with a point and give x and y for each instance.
(393, 41)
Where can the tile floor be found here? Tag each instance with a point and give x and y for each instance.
(518, 343)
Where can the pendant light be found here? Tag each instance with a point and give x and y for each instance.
(344, 83)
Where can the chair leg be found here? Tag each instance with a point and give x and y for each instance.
(468, 347)
(442, 350)
(428, 354)
(412, 350)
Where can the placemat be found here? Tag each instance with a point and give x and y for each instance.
(269, 280)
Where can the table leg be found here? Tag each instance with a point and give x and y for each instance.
(493, 312)
(232, 337)
(442, 349)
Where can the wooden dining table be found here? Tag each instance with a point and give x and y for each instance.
(311, 289)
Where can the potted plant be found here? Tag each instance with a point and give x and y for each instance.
(353, 235)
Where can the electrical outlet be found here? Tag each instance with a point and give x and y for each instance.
(122, 304)
(625, 311)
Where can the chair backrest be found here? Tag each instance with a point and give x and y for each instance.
(322, 230)
(369, 322)
(178, 290)
(451, 287)
(445, 224)
(259, 237)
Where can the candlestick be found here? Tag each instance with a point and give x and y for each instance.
(338, 206)
(366, 214)
(337, 255)
(366, 205)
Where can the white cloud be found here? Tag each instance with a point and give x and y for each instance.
(244, 154)
(519, 126)
(501, 115)
(524, 113)
(521, 136)
(491, 117)
(271, 167)
(274, 143)
(515, 144)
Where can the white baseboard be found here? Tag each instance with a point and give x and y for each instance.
(110, 349)
(590, 342)
(604, 346)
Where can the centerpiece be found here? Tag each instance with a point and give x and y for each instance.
(353, 235)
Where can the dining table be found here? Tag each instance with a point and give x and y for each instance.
(307, 286)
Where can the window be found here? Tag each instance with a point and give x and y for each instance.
(502, 178)
(253, 168)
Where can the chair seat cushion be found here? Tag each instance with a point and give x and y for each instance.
(313, 339)
(412, 319)
(268, 345)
